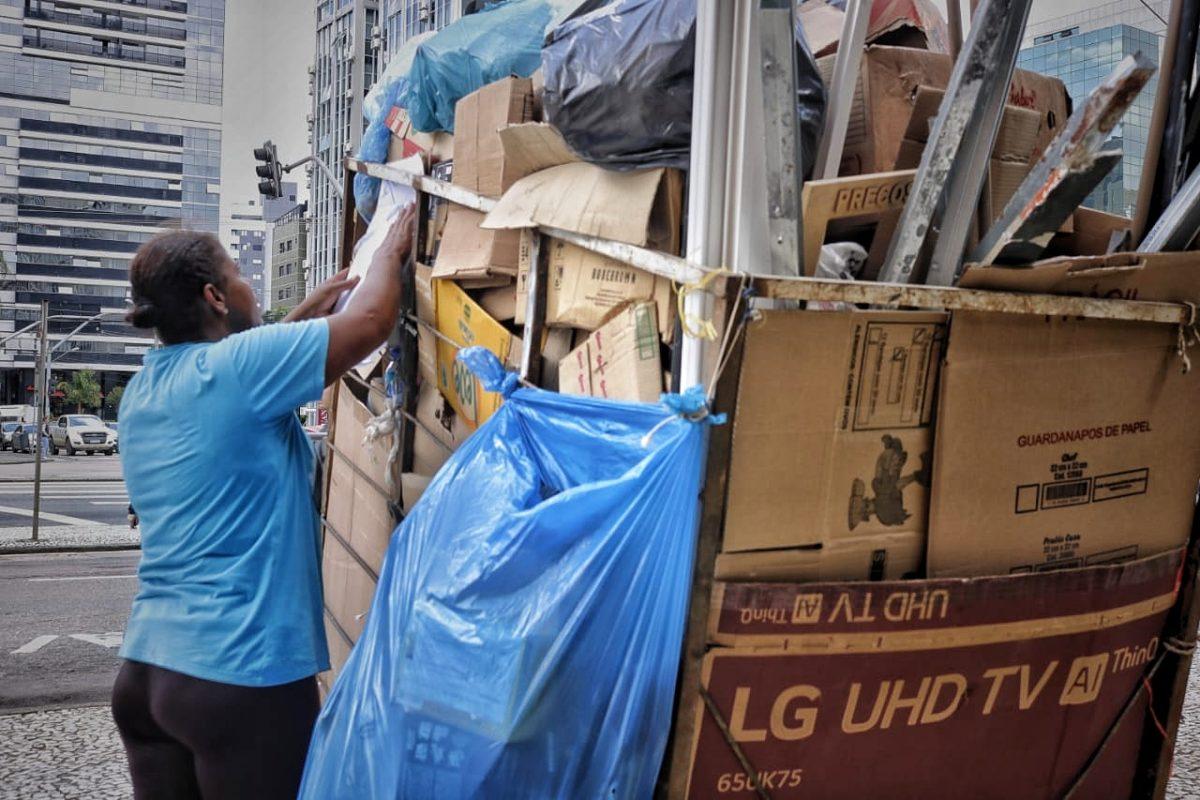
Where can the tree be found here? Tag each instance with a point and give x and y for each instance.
(83, 390)
(112, 400)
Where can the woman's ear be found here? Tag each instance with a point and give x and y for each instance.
(215, 299)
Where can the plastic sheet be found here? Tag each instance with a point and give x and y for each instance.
(503, 39)
(619, 84)
(526, 632)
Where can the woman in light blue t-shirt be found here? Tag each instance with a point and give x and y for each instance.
(217, 695)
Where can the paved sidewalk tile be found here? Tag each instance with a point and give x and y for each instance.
(63, 754)
(1185, 772)
(59, 536)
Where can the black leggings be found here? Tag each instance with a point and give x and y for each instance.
(192, 738)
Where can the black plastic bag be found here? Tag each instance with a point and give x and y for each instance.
(619, 84)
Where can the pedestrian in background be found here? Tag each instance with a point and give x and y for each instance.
(217, 695)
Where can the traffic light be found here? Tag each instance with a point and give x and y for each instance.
(269, 170)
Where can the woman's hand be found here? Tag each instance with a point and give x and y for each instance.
(322, 300)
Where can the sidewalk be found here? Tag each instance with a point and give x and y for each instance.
(69, 753)
(68, 537)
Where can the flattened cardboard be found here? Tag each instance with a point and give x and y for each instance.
(533, 146)
(642, 207)
(357, 505)
(889, 79)
(585, 287)
(439, 433)
(879, 557)
(870, 690)
(464, 322)
(480, 163)
(832, 436)
(1090, 233)
(1060, 443)
(620, 361)
(500, 302)
(1161, 277)
(469, 252)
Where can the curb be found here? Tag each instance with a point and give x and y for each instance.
(84, 548)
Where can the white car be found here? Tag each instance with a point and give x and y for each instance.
(7, 429)
(82, 433)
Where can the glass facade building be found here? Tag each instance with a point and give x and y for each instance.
(1081, 51)
(344, 67)
(110, 129)
(289, 250)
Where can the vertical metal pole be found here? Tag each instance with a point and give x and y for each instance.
(841, 92)
(785, 166)
(42, 388)
(954, 27)
(535, 312)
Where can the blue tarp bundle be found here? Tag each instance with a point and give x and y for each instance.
(526, 631)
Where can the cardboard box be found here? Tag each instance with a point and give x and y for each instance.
(481, 256)
(479, 161)
(585, 287)
(464, 322)
(884, 98)
(832, 437)
(907, 23)
(407, 140)
(620, 361)
(1060, 443)
(530, 147)
(439, 431)
(500, 302)
(999, 687)
(877, 557)
(438, 212)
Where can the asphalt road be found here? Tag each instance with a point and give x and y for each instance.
(63, 619)
(76, 490)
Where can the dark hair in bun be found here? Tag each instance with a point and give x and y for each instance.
(168, 275)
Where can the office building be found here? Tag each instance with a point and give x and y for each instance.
(110, 129)
(246, 238)
(1081, 50)
(404, 19)
(344, 68)
(289, 250)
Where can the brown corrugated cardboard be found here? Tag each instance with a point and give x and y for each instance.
(1090, 235)
(439, 431)
(1060, 443)
(480, 255)
(889, 79)
(407, 140)
(479, 161)
(533, 146)
(832, 437)
(620, 361)
(348, 587)
(641, 207)
(1162, 277)
(908, 23)
(585, 287)
(426, 341)
(464, 322)
(500, 302)
(879, 557)
(998, 687)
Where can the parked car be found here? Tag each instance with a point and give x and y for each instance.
(24, 438)
(7, 429)
(81, 433)
(112, 426)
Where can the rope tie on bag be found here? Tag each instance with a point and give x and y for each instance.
(694, 326)
(1179, 647)
(691, 405)
(1187, 336)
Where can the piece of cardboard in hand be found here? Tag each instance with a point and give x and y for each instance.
(620, 361)
(832, 437)
(1060, 443)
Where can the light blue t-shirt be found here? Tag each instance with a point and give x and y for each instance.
(219, 471)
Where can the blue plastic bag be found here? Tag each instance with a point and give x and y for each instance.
(503, 39)
(526, 631)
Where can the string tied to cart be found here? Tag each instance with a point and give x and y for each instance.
(1187, 335)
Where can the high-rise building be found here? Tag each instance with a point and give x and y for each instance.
(1082, 49)
(404, 19)
(246, 238)
(289, 250)
(110, 129)
(344, 68)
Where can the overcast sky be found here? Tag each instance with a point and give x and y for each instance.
(268, 47)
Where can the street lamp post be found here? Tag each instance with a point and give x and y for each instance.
(41, 389)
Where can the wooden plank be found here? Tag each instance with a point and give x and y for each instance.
(673, 784)
(852, 196)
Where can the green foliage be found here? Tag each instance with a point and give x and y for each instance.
(83, 390)
(112, 400)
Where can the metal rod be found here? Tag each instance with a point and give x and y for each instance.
(325, 170)
(954, 27)
(40, 382)
(784, 161)
(1068, 170)
(964, 114)
(968, 180)
(842, 88)
(1180, 221)
(1162, 99)
(33, 325)
(535, 312)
